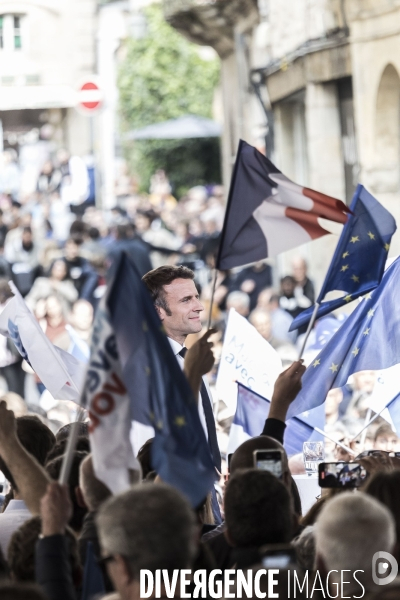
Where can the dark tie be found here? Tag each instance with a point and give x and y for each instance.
(210, 421)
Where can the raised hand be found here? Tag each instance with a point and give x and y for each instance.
(287, 386)
(55, 509)
(8, 429)
(199, 360)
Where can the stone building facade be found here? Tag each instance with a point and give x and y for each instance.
(317, 82)
(47, 47)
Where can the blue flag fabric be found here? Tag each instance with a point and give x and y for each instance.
(359, 260)
(159, 391)
(368, 340)
(252, 410)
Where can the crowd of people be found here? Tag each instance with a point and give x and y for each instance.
(75, 541)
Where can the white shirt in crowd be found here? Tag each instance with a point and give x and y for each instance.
(11, 519)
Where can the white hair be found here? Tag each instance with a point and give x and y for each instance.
(238, 298)
(350, 529)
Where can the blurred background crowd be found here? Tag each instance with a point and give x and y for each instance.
(59, 250)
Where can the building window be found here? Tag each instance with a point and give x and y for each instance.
(17, 33)
(11, 38)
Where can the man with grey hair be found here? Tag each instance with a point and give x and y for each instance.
(147, 527)
(351, 528)
(94, 494)
(240, 301)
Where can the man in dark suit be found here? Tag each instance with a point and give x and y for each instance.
(177, 302)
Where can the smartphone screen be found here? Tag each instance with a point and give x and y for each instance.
(341, 475)
(280, 557)
(269, 460)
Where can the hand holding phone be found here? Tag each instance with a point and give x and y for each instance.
(269, 460)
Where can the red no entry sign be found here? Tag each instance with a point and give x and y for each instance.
(89, 96)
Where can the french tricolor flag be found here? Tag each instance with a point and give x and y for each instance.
(267, 213)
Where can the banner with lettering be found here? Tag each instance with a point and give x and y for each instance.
(108, 403)
(246, 358)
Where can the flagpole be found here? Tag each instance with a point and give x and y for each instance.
(366, 420)
(212, 298)
(70, 449)
(318, 430)
(370, 422)
(309, 328)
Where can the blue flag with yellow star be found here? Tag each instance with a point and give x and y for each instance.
(359, 260)
(159, 392)
(251, 412)
(368, 340)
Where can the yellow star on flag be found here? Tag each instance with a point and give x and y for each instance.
(145, 327)
(345, 254)
(387, 246)
(316, 362)
(355, 278)
(371, 312)
(366, 332)
(368, 296)
(334, 368)
(355, 239)
(356, 351)
(371, 235)
(148, 371)
(344, 268)
(180, 421)
(348, 298)
(159, 424)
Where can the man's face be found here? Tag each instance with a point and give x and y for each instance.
(387, 442)
(184, 306)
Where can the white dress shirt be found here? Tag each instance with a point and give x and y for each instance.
(177, 347)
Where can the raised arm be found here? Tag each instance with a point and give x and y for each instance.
(30, 477)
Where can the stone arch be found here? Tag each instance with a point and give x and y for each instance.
(387, 124)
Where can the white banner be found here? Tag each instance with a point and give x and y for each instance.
(109, 408)
(248, 358)
(61, 373)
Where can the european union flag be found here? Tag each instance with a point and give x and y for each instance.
(369, 339)
(159, 391)
(359, 260)
(251, 412)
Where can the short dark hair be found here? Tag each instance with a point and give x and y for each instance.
(21, 551)
(53, 468)
(64, 431)
(156, 279)
(35, 437)
(82, 444)
(257, 509)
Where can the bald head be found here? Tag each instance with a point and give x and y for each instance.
(242, 458)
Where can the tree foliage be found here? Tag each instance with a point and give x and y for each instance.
(161, 77)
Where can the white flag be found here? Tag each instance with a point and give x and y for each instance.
(60, 372)
(248, 358)
(109, 409)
